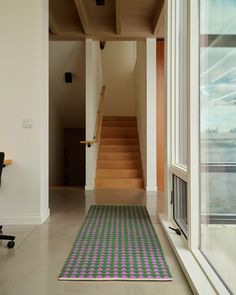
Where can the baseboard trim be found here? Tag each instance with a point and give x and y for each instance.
(151, 203)
(24, 219)
(151, 188)
(45, 216)
(20, 220)
(89, 188)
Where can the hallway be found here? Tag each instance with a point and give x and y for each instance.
(33, 267)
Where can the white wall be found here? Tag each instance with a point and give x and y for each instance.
(151, 178)
(118, 61)
(24, 94)
(141, 100)
(145, 78)
(94, 83)
(67, 100)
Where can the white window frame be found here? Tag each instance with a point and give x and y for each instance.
(172, 106)
(193, 130)
(190, 175)
(175, 97)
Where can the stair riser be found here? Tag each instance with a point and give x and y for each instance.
(119, 173)
(119, 156)
(118, 141)
(118, 164)
(118, 148)
(119, 129)
(119, 183)
(119, 135)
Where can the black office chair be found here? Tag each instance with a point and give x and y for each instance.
(11, 239)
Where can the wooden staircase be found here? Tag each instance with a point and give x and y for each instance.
(119, 162)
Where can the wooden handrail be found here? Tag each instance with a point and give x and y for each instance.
(98, 125)
(7, 162)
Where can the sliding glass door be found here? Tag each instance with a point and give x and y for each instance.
(218, 136)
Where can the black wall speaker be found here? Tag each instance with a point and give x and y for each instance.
(68, 77)
(100, 2)
(102, 45)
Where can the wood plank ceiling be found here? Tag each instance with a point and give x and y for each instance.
(116, 20)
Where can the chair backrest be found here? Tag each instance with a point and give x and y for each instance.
(2, 156)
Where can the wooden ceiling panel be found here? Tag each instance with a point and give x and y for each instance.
(139, 15)
(100, 12)
(132, 8)
(101, 17)
(117, 19)
(65, 14)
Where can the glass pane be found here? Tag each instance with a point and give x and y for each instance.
(218, 137)
(181, 124)
(218, 16)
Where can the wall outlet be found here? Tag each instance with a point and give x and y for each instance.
(27, 123)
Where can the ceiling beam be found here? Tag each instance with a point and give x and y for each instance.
(67, 37)
(118, 17)
(53, 25)
(113, 37)
(79, 4)
(96, 37)
(160, 32)
(159, 9)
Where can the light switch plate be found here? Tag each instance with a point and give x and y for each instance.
(27, 123)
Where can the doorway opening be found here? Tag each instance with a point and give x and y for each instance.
(66, 114)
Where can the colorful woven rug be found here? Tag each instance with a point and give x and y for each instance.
(116, 243)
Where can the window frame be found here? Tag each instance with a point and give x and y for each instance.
(172, 107)
(176, 74)
(191, 174)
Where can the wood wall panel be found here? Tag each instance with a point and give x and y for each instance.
(160, 115)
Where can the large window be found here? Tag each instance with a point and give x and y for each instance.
(218, 136)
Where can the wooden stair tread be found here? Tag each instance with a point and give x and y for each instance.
(119, 173)
(119, 118)
(119, 164)
(119, 128)
(120, 161)
(119, 123)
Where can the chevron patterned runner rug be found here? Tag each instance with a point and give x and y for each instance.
(116, 243)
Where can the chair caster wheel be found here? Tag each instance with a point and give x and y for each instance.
(11, 244)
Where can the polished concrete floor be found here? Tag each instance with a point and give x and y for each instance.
(218, 245)
(32, 268)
